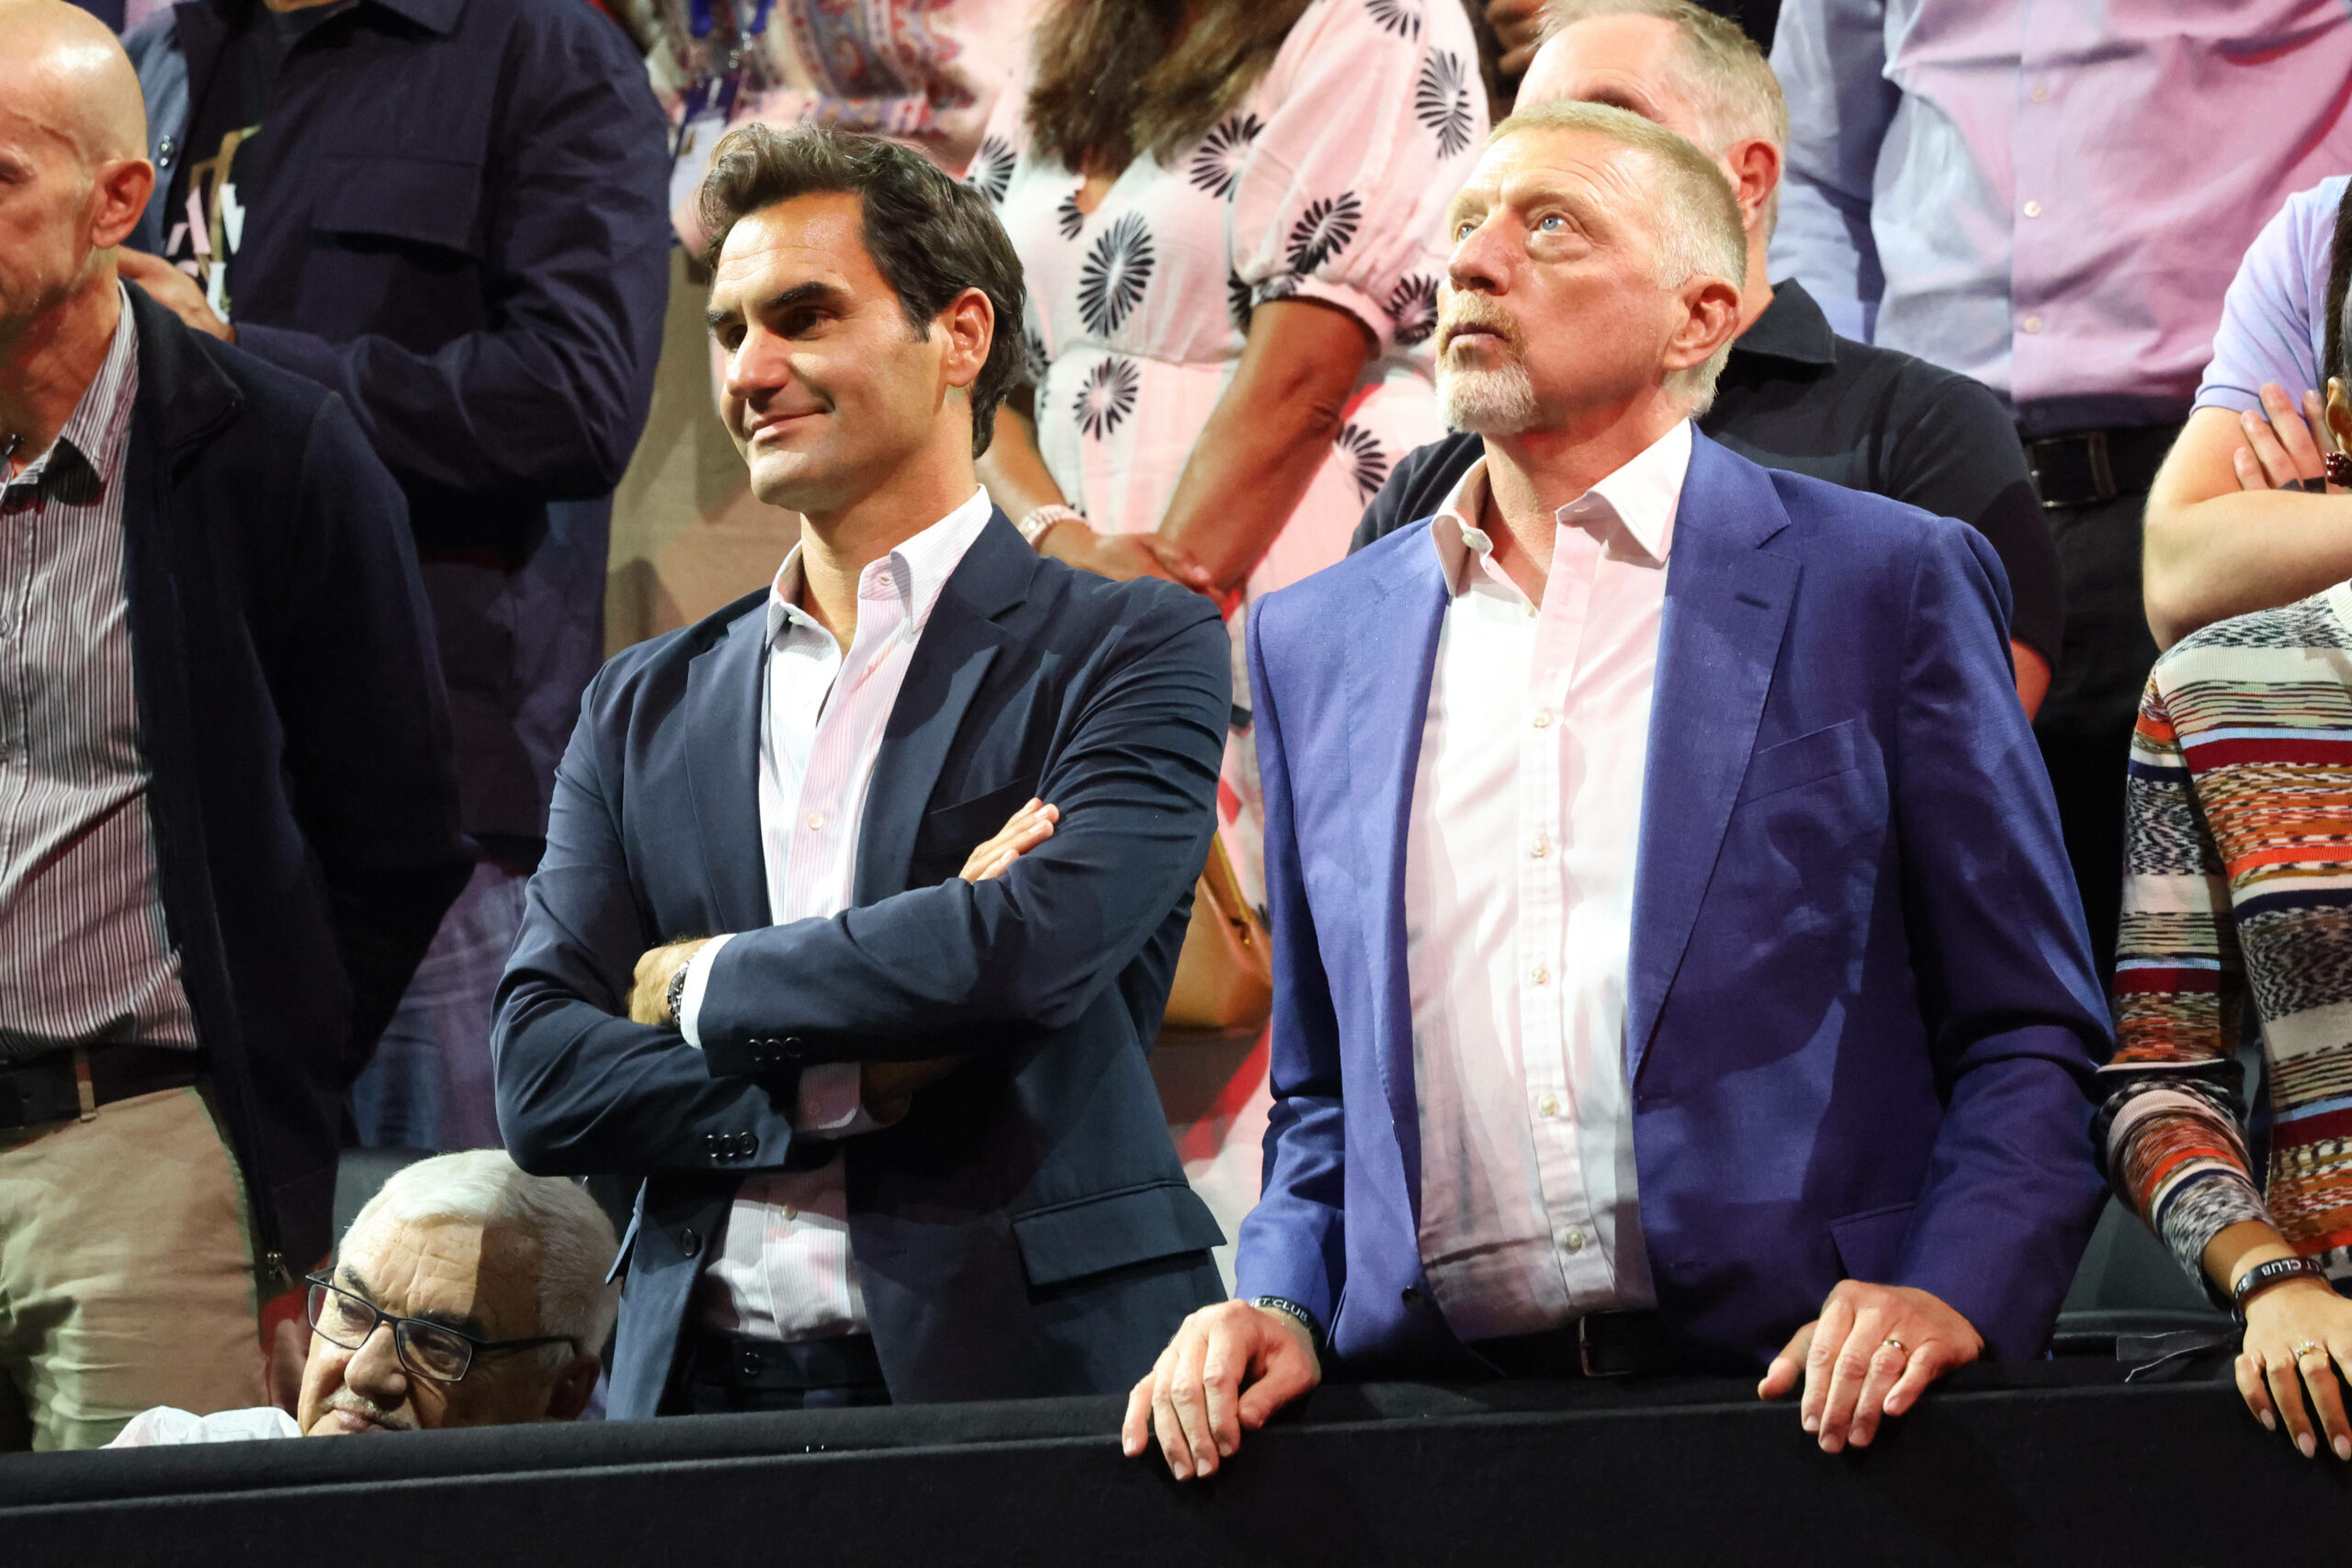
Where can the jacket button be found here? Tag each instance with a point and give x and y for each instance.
(792, 1045)
(690, 1241)
(1413, 1297)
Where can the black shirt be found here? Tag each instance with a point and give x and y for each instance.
(1795, 395)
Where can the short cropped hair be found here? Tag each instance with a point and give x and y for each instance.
(485, 1186)
(1695, 215)
(930, 237)
(1722, 73)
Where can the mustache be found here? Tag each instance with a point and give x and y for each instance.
(394, 1418)
(1465, 311)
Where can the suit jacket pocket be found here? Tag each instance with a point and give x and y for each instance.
(1869, 1244)
(1823, 754)
(1092, 1235)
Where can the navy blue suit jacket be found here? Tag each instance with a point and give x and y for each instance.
(1862, 1017)
(1026, 1229)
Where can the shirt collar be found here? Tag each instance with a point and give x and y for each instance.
(914, 573)
(1641, 497)
(1792, 328)
(92, 437)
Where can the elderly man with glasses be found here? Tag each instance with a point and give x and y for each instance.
(466, 1295)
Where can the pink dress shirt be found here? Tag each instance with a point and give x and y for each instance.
(783, 1270)
(1518, 905)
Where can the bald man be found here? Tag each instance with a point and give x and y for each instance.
(228, 815)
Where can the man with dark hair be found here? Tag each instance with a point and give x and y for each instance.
(899, 1136)
(228, 820)
(1795, 395)
(454, 215)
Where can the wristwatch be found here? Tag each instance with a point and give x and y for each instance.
(2263, 1275)
(677, 997)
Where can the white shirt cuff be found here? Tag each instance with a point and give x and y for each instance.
(830, 1104)
(697, 979)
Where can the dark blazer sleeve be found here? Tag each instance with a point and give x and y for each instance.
(1416, 486)
(582, 1091)
(549, 399)
(358, 688)
(1292, 1243)
(2003, 964)
(919, 973)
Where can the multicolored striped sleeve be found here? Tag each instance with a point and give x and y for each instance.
(2169, 1128)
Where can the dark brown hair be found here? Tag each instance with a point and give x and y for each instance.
(931, 238)
(1114, 79)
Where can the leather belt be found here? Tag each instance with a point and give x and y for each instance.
(48, 1089)
(737, 1361)
(2087, 467)
(1603, 1345)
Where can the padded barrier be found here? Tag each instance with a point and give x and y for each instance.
(2054, 1462)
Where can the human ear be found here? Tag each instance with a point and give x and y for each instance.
(120, 194)
(1754, 168)
(970, 325)
(572, 1387)
(1710, 319)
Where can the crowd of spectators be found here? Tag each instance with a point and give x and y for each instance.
(1736, 647)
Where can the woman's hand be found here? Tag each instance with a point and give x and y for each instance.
(2282, 452)
(1024, 831)
(1125, 557)
(2297, 1334)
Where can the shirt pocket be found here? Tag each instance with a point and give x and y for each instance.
(397, 250)
(373, 199)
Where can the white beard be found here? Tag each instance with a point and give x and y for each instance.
(1487, 402)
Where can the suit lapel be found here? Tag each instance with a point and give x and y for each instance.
(722, 720)
(958, 644)
(1391, 653)
(1728, 601)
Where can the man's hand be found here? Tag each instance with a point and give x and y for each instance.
(1189, 1398)
(2282, 450)
(173, 290)
(1024, 831)
(649, 999)
(1872, 1352)
(1518, 25)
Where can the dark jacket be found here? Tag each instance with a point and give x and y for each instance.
(305, 807)
(462, 231)
(1026, 1229)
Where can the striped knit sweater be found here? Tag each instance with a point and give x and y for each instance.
(2238, 888)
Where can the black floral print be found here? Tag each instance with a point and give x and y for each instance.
(1034, 358)
(1217, 163)
(1281, 286)
(1441, 101)
(1402, 17)
(1237, 300)
(1107, 397)
(1323, 230)
(1118, 268)
(991, 171)
(1412, 309)
(1069, 218)
(1367, 463)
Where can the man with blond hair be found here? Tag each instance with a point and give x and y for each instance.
(1793, 394)
(227, 819)
(1681, 969)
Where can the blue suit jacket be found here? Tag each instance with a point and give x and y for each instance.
(1027, 1228)
(1862, 1017)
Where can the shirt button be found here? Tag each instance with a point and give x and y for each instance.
(2031, 323)
(816, 820)
(1529, 608)
(1541, 847)
(1572, 1239)
(1542, 718)
(2041, 94)
(2033, 210)
(882, 581)
(1548, 1106)
(790, 1213)
(1541, 974)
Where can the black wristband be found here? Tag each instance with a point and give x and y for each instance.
(1292, 1310)
(2263, 1275)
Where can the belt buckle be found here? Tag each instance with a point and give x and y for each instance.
(1584, 1352)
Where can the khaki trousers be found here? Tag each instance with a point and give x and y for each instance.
(126, 1272)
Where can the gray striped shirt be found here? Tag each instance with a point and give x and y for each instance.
(84, 956)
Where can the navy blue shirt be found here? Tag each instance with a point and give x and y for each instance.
(459, 225)
(1796, 396)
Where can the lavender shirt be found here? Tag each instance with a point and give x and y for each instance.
(2274, 323)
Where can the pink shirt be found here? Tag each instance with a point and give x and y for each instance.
(783, 1268)
(1520, 860)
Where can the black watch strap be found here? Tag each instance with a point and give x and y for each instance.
(2263, 1275)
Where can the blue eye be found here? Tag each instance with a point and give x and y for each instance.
(1550, 223)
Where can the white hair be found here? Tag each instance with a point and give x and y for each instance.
(483, 1187)
(1694, 215)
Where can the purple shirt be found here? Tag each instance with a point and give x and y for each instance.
(2051, 195)
(2274, 323)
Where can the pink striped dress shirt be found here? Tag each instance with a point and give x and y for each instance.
(783, 1270)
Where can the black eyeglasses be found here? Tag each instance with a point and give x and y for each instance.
(428, 1350)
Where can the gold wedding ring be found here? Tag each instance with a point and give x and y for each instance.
(1898, 1343)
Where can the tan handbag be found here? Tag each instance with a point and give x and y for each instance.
(1225, 976)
